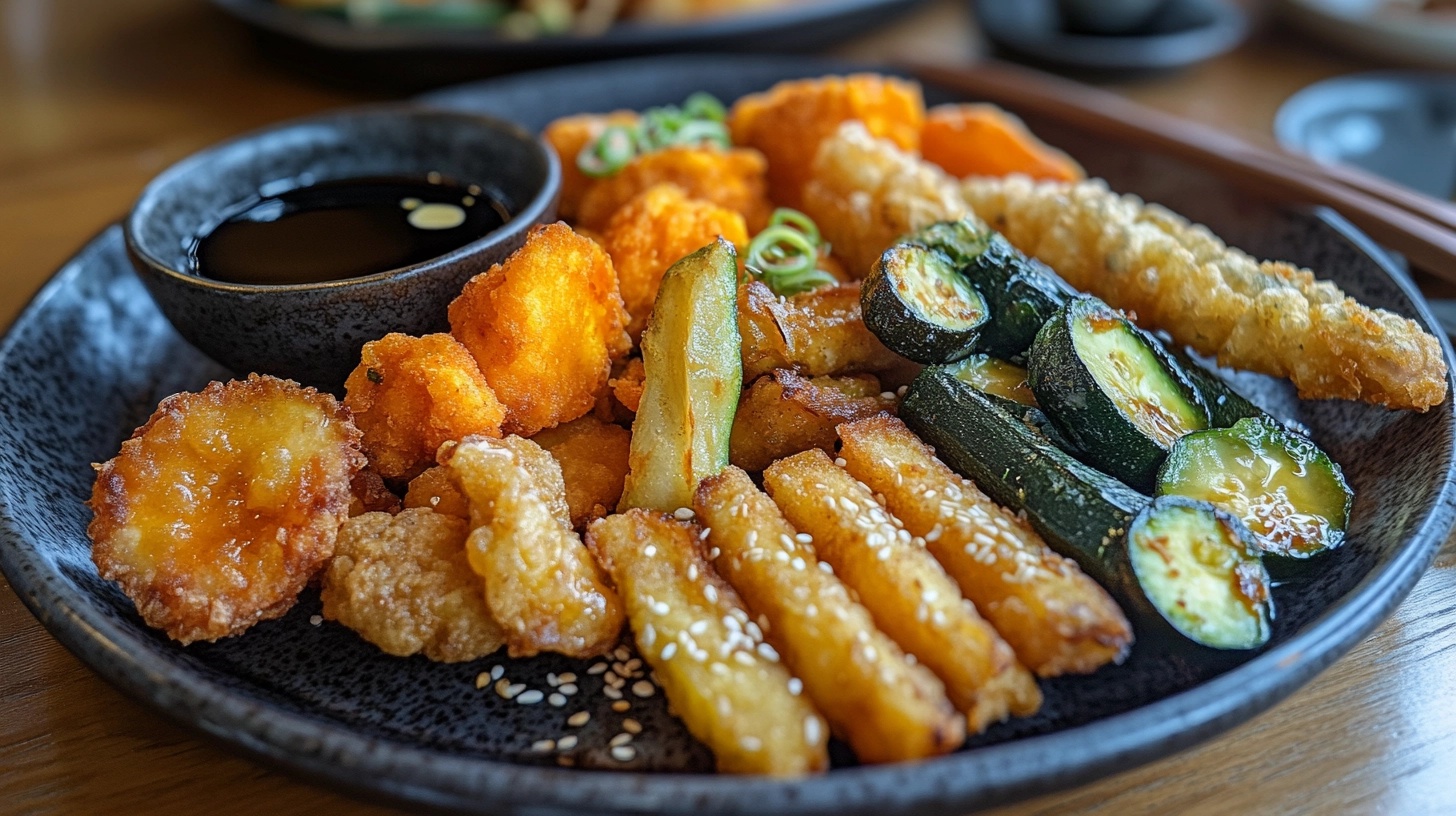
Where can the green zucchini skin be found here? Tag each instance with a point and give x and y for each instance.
(917, 303)
(1091, 417)
(1225, 405)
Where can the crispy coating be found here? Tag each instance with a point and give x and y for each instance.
(726, 684)
(905, 589)
(984, 140)
(788, 122)
(410, 395)
(593, 459)
(544, 327)
(218, 510)
(404, 584)
(1268, 317)
(567, 136)
(814, 333)
(435, 490)
(627, 384)
(865, 193)
(541, 584)
(783, 413)
(652, 232)
(1056, 619)
(732, 179)
(370, 494)
(887, 708)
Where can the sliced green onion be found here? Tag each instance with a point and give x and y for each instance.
(698, 131)
(782, 250)
(795, 283)
(703, 105)
(796, 220)
(609, 153)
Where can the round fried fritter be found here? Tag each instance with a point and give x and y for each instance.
(410, 395)
(404, 584)
(219, 509)
(733, 179)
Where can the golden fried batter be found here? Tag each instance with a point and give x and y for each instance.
(815, 333)
(984, 140)
(544, 327)
(655, 229)
(219, 509)
(371, 494)
(410, 395)
(593, 458)
(404, 584)
(435, 490)
(1269, 317)
(788, 122)
(567, 136)
(627, 384)
(732, 179)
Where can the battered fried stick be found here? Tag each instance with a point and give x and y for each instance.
(1269, 317)
(813, 333)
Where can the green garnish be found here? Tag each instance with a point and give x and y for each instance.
(700, 120)
(786, 254)
(609, 153)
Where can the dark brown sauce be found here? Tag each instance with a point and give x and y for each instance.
(344, 229)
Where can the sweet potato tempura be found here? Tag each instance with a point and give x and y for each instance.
(567, 136)
(219, 509)
(544, 327)
(732, 179)
(984, 140)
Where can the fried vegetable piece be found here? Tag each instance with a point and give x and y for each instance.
(435, 490)
(404, 584)
(886, 707)
(218, 510)
(904, 588)
(541, 584)
(865, 193)
(593, 459)
(567, 136)
(783, 413)
(726, 684)
(410, 395)
(788, 122)
(732, 179)
(1270, 317)
(544, 327)
(984, 140)
(652, 232)
(814, 333)
(370, 494)
(627, 385)
(1057, 620)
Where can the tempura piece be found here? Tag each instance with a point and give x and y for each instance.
(783, 413)
(404, 584)
(814, 333)
(593, 459)
(732, 179)
(544, 327)
(369, 494)
(887, 708)
(410, 395)
(788, 122)
(904, 588)
(435, 490)
(984, 140)
(567, 136)
(725, 683)
(652, 232)
(541, 584)
(1268, 317)
(218, 510)
(627, 385)
(865, 193)
(1057, 620)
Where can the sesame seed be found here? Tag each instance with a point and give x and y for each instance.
(620, 739)
(568, 688)
(768, 653)
(825, 568)
(887, 395)
(315, 619)
(552, 680)
(669, 650)
(633, 665)
(900, 392)
(621, 653)
(692, 572)
(557, 700)
(566, 743)
(796, 686)
(642, 688)
(698, 627)
(624, 753)
(531, 697)
(610, 677)
(578, 719)
(884, 554)
(496, 672)
(840, 461)
(649, 635)
(650, 550)
(661, 607)
(620, 706)
(566, 677)
(704, 534)
(744, 658)
(683, 513)
(718, 669)
(725, 706)
(597, 668)
(711, 593)
(612, 693)
(714, 553)
(631, 726)
(750, 743)
(812, 729)
(911, 659)
(482, 680)
(811, 610)
(542, 746)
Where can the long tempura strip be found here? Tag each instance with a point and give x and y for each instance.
(813, 333)
(887, 708)
(1056, 619)
(907, 592)
(727, 685)
(1269, 317)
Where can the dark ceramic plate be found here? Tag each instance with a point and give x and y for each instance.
(90, 357)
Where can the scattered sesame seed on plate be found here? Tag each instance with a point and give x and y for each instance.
(567, 688)
(316, 619)
(542, 746)
(531, 697)
(620, 706)
(612, 693)
(631, 726)
(566, 743)
(683, 513)
(620, 739)
(624, 753)
(482, 680)
(597, 668)
(578, 719)
(557, 699)
(642, 688)
(497, 671)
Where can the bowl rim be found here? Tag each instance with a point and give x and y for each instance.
(531, 213)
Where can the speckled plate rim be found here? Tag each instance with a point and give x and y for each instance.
(327, 752)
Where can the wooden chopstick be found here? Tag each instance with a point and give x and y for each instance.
(1418, 226)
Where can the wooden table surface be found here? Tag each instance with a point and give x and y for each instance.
(96, 97)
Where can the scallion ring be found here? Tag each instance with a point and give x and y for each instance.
(609, 153)
(698, 131)
(782, 250)
(703, 105)
(796, 220)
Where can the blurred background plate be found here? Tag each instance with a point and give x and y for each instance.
(1376, 29)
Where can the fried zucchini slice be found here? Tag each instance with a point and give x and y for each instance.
(593, 459)
(732, 179)
(783, 413)
(813, 333)
(435, 490)
(219, 510)
(984, 140)
(726, 684)
(904, 588)
(541, 584)
(1057, 620)
(886, 707)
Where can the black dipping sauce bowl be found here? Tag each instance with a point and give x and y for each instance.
(313, 332)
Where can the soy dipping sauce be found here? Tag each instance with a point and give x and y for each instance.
(350, 228)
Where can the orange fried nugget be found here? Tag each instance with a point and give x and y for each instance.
(732, 179)
(218, 510)
(984, 140)
(435, 490)
(788, 121)
(410, 395)
(567, 136)
(371, 494)
(593, 459)
(544, 327)
(655, 229)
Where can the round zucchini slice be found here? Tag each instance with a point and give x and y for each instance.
(1286, 490)
(1104, 385)
(1199, 568)
(920, 306)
